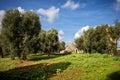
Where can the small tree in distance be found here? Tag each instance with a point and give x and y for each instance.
(61, 45)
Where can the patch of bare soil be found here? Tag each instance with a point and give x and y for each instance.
(28, 63)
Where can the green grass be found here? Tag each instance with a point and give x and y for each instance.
(63, 67)
(7, 64)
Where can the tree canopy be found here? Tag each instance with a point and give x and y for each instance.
(18, 32)
(22, 34)
(102, 39)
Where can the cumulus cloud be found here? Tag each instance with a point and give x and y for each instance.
(70, 4)
(118, 5)
(61, 32)
(50, 14)
(0, 26)
(21, 9)
(2, 12)
(80, 31)
(61, 35)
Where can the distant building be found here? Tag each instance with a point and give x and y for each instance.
(72, 48)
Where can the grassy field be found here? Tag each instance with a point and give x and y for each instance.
(62, 67)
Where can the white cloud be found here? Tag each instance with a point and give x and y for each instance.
(61, 35)
(0, 26)
(61, 32)
(2, 12)
(21, 9)
(80, 31)
(32, 10)
(70, 4)
(50, 14)
(118, 5)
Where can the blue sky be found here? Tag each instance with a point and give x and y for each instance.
(69, 17)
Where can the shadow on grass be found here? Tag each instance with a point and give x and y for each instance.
(44, 57)
(41, 71)
(114, 76)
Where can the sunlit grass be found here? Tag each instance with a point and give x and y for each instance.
(67, 67)
(7, 63)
